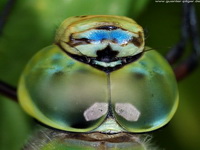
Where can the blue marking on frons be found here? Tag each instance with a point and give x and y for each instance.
(118, 35)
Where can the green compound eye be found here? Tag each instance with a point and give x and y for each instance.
(56, 90)
(144, 93)
(97, 73)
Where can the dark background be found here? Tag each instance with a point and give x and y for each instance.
(32, 26)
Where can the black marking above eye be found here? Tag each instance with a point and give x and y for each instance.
(108, 27)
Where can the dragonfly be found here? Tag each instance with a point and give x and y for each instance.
(105, 59)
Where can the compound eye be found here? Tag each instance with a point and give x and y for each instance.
(144, 94)
(63, 93)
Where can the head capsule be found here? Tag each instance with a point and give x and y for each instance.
(101, 41)
(114, 86)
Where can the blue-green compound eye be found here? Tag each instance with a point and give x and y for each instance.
(98, 76)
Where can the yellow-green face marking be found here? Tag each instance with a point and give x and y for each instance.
(97, 76)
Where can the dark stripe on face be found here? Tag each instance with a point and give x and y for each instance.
(137, 41)
(75, 42)
(81, 16)
(107, 28)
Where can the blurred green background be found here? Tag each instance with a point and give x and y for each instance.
(32, 26)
